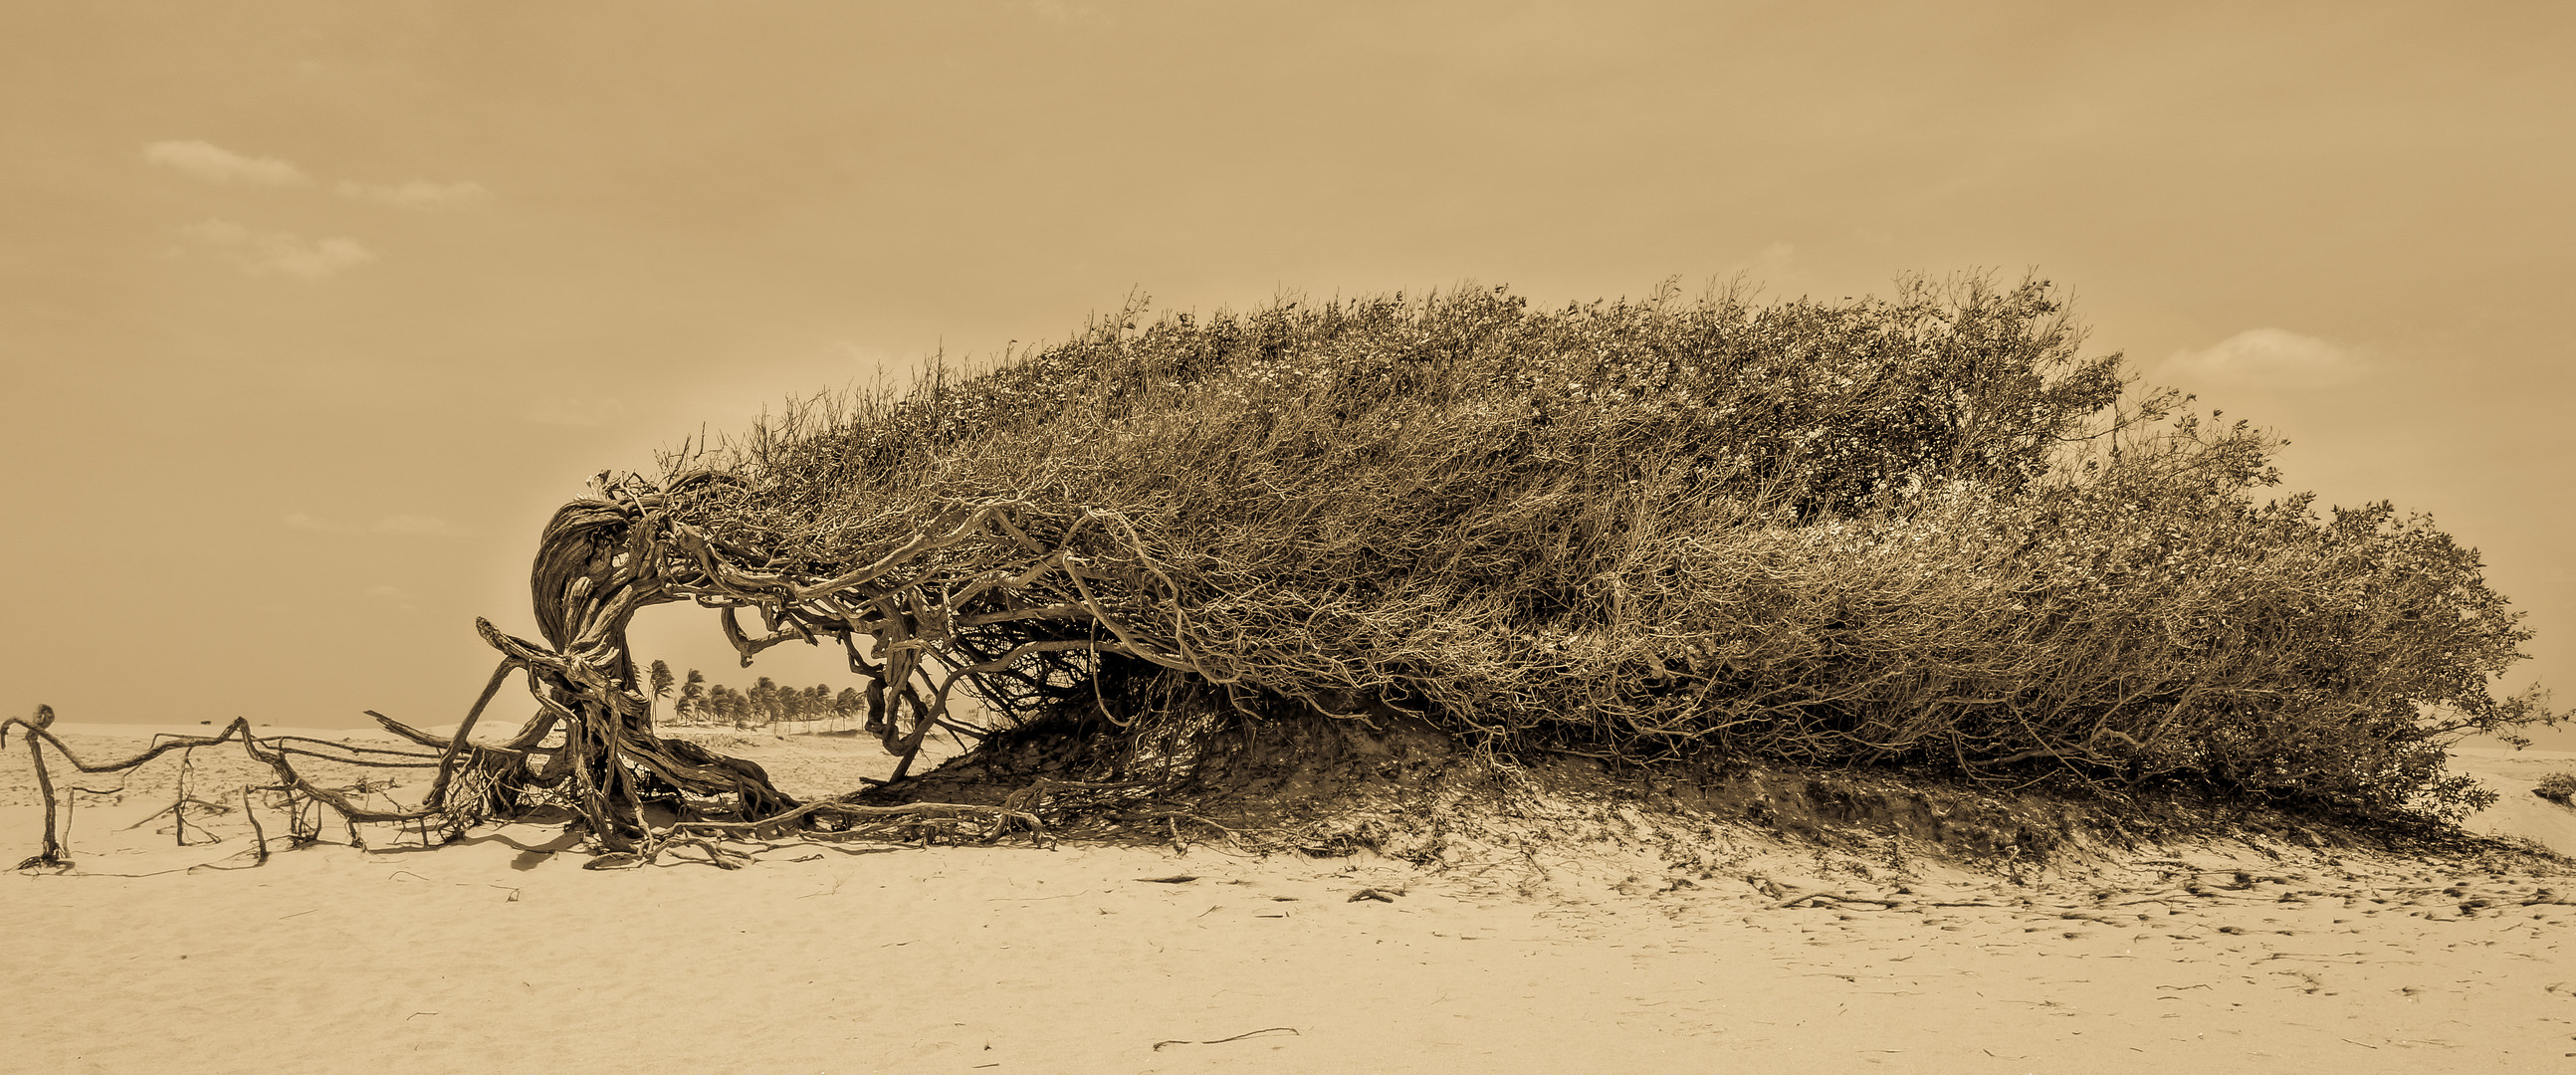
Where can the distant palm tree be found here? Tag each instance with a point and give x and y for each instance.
(727, 704)
(659, 679)
(693, 696)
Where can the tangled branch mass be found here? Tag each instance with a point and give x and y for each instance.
(1921, 530)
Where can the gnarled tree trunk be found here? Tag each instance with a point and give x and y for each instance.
(597, 564)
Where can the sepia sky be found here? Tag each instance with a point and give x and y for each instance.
(310, 313)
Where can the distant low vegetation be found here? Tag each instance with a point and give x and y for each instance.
(1919, 530)
(693, 700)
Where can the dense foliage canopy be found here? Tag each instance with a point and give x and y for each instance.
(1922, 528)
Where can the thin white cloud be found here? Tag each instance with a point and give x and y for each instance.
(390, 524)
(262, 252)
(215, 164)
(411, 524)
(846, 352)
(401, 599)
(1776, 265)
(419, 194)
(2270, 357)
(1063, 10)
(585, 413)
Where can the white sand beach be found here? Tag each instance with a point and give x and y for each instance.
(500, 953)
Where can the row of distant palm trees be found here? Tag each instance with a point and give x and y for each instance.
(764, 704)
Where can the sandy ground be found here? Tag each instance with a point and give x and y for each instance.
(498, 954)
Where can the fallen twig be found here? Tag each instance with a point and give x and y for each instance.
(1158, 1046)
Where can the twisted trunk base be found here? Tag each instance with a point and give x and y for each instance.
(590, 747)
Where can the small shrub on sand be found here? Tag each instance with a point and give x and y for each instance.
(2559, 788)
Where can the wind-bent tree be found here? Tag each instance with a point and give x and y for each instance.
(1923, 529)
(661, 680)
(693, 696)
(1884, 530)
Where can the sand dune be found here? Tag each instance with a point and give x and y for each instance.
(501, 954)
